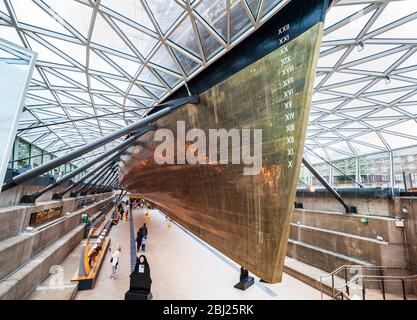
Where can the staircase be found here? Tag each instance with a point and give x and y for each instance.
(371, 283)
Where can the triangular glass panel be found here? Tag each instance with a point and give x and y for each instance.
(76, 14)
(121, 85)
(210, 44)
(57, 81)
(366, 51)
(400, 32)
(389, 97)
(269, 5)
(29, 13)
(129, 66)
(411, 61)
(339, 13)
(131, 9)
(169, 79)
(79, 77)
(363, 149)
(185, 37)
(215, 14)
(98, 85)
(165, 12)
(350, 30)
(105, 35)
(156, 92)
(253, 6)
(163, 58)
(394, 11)
(73, 50)
(44, 54)
(147, 76)
(330, 60)
(10, 34)
(239, 20)
(99, 64)
(187, 64)
(140, 40)
(3, 8)
(137, 92)
(395, 141)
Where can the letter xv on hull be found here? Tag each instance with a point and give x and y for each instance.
(246, 217)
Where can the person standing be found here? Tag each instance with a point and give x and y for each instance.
(145, 230)
(144, 242)
(115, 261)
(139, 237)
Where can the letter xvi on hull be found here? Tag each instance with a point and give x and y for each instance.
(244, 216)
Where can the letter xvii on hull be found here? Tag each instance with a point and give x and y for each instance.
(246, 217)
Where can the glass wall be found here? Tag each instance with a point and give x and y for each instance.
(405, 163)
(374, 170)
(36, 156)
(324, 170)
(23, 154)
(27, 156)
(344, 173)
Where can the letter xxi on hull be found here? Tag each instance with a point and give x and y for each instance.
(244, 216)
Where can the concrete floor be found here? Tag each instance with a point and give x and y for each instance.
(184, 267)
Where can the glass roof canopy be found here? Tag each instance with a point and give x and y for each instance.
(103, 57)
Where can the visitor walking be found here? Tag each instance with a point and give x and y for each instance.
(115, 261)
(144, 242)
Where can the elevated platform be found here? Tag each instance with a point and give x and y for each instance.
(369, 201)
(26, 257)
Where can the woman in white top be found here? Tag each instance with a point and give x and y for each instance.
(115, 261)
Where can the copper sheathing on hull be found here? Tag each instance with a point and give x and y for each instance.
(246, 217)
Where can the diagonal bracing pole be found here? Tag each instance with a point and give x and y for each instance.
(124, 145)
(96, 177)
(107, 165)
(50, 165)
(348, 209)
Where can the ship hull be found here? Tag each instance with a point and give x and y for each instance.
(246, 217)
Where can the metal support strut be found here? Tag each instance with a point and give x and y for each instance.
(348, 209)
(165, 109)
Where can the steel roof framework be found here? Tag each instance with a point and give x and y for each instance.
(102, 57)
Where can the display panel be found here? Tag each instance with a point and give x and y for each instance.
(239, 205)
(16, 68)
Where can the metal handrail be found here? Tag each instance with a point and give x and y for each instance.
(333, 273)
(347, 267)
(354, 280)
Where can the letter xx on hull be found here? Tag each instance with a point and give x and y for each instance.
(246, 217)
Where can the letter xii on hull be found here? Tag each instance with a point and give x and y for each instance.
(244, 216)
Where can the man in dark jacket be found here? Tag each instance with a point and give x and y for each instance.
(139, 237)
(145, 230)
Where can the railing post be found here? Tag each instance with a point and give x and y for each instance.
(382, 283)
(346, 281)
(403, 285)
(333, 286)
(363, 289)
